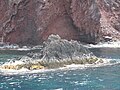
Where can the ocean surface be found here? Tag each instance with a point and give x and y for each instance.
(92, 78)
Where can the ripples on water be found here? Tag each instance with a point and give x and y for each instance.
(99, 78)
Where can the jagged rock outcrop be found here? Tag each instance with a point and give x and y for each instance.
(59, 52)
(32, 21)
(60, 49)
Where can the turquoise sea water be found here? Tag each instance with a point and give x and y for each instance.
(94, 78)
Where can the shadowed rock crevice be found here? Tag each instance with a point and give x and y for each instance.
(86, 17)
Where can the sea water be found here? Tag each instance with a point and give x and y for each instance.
(92, 78)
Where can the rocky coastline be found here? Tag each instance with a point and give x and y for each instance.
(56, 53)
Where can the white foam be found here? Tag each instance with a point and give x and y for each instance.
(58, 89)
(21, 71)
(105, 45)
(67, 67)
(14, 63)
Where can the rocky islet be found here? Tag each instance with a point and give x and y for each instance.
(56, 53)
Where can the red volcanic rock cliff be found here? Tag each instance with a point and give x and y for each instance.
(32, 21)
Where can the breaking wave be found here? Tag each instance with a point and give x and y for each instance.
(105, 45)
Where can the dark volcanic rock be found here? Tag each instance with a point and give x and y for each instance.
(59, 52)
(60, 49)
(32, 21)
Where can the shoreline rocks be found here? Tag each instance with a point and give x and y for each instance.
(57, 53)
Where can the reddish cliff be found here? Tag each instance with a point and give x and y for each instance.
(110, 18)
(32, 21)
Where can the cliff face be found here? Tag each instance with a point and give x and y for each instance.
(32, 21)
(18, 24)
(86, 17)
(110, 18)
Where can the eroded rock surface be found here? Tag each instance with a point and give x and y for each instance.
(32, 21)
(61, 49)
(110, 18)
(58, 52)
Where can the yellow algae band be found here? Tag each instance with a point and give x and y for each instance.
(36, 67)
(8, 67)
(27, 66)
(40, 65)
